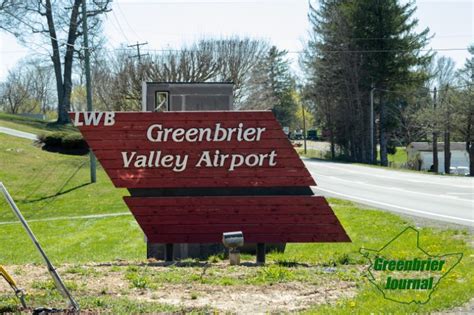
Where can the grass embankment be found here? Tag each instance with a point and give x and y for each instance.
(397, 160)
(52, 186)
(35, 126)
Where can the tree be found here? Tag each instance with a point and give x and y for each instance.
(118, 79)
(41, 87)
(355, 45)
(58, 23)
(413, 108)
(15, 94)
(464, 111)
(28, 88)
(444, 78)
(273, 87)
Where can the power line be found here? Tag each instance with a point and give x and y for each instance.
(126, 21)
(301, 52)
(390, 50)
(139, 54)
(119, 26)
(34, 30)
(179, 2)
(456, 87)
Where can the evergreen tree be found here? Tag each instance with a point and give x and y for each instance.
(356, 45)
(273, 87)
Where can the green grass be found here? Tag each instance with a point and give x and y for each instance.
(51, 185)
(106, 304)
(314, 154)
(32, 125)
(400, 156)
(395, 160)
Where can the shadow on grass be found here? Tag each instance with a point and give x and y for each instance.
(58, 193)
(62, 150)
(60, 190)
(181, 264)
(291, 264)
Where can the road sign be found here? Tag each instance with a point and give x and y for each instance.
(243, 154)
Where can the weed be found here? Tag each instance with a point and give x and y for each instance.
(272, 274)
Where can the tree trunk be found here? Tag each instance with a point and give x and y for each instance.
(470, 145)
(65, 102)
(447, 152)
(331, 136)
(435, 152)
(56, 56)
(435, 137)
(333, 147)
(471, 158)
(383, 135)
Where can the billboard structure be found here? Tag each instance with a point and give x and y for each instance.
(195, 175)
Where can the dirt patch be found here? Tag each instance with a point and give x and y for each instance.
(111, 281)
(251, 299)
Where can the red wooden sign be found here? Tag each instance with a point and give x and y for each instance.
(232, 150)
(261, 219)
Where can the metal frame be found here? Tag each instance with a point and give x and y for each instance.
(20, 294)
(54, 274)
(167, 105)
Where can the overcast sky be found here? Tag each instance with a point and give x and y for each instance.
(173, 23)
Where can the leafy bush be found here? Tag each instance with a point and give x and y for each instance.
(63, 140)
(73, 141)
(51, 139)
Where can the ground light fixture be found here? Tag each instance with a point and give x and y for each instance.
(233, 240)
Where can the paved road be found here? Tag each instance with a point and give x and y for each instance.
(17, 133)
(443, 198)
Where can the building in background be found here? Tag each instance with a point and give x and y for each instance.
(420, 156)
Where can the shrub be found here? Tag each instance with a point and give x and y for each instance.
(53, 139)
(63, 141)
(73, 141)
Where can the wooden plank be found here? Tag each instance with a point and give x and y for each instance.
(252, 238)
(203, 173)
(261, 218)
(213, 182)
(292, 229)
(230, 210)
(116, 153)
(115, 163)
(142, 143)
(142, 126)
(237, 201)
(200, 219)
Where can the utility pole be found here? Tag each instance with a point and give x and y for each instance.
(138, 55)
(447, 135)
(304, 128)
(372, 149)
(435, 134)
(88, 82)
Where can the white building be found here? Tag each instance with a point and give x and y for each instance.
(420, 155)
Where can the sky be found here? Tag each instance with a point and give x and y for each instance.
(173, 23)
